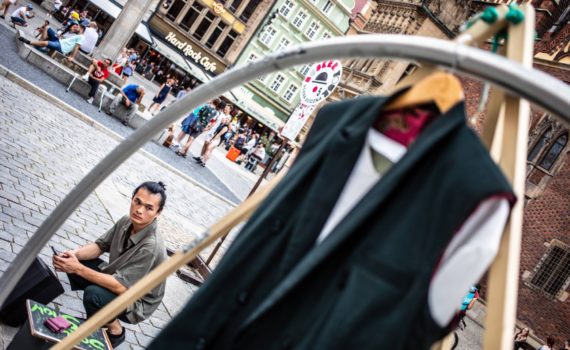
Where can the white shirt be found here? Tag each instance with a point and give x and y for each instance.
(472, 248)
(19, 11)
(90, 39)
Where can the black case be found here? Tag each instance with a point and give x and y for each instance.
(39, 283)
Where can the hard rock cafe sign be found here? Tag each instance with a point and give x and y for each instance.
(218, 8)
(189, 51)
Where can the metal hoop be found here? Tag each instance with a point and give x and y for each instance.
(530, 84)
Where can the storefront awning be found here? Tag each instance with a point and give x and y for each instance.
(242, 98)
(172, 55)
(114, 10)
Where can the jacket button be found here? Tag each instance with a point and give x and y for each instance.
(286, 343)
(200, 344)
(242, 297)
(276, 226)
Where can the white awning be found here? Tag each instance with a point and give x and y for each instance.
(265, 115)
(171, 54)
(114, 11)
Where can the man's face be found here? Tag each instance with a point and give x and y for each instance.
(106, 63)
(227, 109)
(144, 207)
(74, 28)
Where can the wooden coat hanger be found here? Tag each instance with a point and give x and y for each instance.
(441, 88)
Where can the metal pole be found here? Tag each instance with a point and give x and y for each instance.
(531, 84)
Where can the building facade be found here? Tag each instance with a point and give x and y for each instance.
(290, 23)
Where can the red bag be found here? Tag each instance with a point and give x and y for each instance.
(232, 154)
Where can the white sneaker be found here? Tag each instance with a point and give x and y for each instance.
(85, 77)
(90, 100)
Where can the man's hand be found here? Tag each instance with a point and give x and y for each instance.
(70, 58)
(67, 262)
(127, 102)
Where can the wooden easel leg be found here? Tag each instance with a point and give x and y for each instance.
(504, 274)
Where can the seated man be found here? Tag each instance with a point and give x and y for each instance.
(91, 37)
(95, 75)
(68, 46)
(20, 16)
(134, 247)
(131, 96)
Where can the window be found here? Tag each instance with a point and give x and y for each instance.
(552, 274)
(215, 34)
(312, 30)
(227, 43)
(283, 44)
(175, 9)
(263, 78)
(249, 10)
(328, 7)
(267, 35)
(191, 16)
(277, 82)
(550, 157)
(204, 25)
(290, 93)
(539, 145)
(235, 5)
(299, 19)
(252, 57)
(304, 69)
(326, 35)
(286, 8)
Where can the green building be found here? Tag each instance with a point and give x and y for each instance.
(287, 24)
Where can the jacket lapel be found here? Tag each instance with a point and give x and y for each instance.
(434, 133)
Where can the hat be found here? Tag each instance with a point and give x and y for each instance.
(30, 7)
(72, 22)
(84, 22)
(75, 16)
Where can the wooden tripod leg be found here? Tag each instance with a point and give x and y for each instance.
(161, 272)
(504, 273)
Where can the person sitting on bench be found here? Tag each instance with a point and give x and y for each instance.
(134, 247)
(68, 46)
(130, 96)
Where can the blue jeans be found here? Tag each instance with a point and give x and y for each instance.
(95, 297)
(52, 35)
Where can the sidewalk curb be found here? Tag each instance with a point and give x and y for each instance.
(15, 78)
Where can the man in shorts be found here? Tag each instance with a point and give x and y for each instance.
(20, 16)
(68, 46)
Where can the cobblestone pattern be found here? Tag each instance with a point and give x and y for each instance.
(43, 153)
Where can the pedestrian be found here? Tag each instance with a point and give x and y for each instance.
(6, 6)
(120, 62)
(467, 304)
(199, 123)
(130, 96)
(566, 345)
(520, 337)
(55, 8)
(96, 74)
(221, 128)
(161, 95)
(21, 15)
(134, 247)
(549, 344)
(68, 46)
(183, 92)
(128, 70)
(91, 36)
(255, 157)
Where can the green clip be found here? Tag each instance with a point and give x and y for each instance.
(515, 15)
(490, 15)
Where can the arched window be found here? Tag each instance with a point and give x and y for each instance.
(539, 145)
(554, 151)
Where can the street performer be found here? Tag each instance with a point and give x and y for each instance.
(134, 247)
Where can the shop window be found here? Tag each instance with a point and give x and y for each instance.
(216, 34)
(286, 8)
(235, 5)
(304, 69)
(277, 83)
(552, 274)
(252, 57)
(175, 9)
(283, 44)
(326, 35)
(204, 25)
(328, 7)
(267, 35)
(227, 43)
(300, 19)
(290, 93)
(191, 16)
(312, 30)
(539, 145)
(249, 10)
(553, 152)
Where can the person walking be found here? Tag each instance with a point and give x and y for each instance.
(200, 124)
(130, 96)
(549, 344)
(160, 96)
(96, 74)
(210, 144)
(5, 6)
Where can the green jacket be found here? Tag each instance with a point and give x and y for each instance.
(365, 286)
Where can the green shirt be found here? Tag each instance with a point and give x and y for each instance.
(131, 257)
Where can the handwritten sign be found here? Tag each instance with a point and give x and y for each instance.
(39, 313)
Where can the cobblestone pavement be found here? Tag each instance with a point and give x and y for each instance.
(44, 152)
(228, 187)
